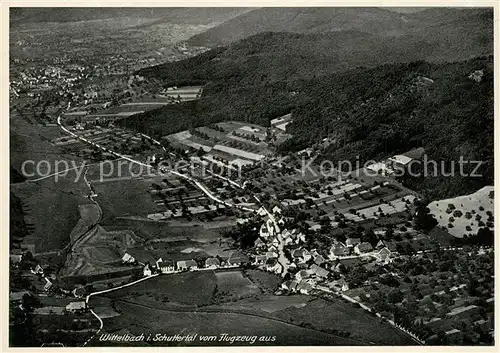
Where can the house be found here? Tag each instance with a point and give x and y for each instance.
(273, 248)
(37, 270)
(380, 245)
(273, 265)
(237, 258)
(302, 274)
(363, 248)
(270, 227)
(318, 260)
(259, 243)
(383, 255)
(304, 287)
(339, 249)
(77, 307)
(276, 210)
(48, 284)
(260, 259)
(399, 161)
(147, 270)
(128, 259)
(350, 242)
(319, 271)
(166, 266)
(298, 255)
(262, 212)
(212, 262)
(186, 265)
(263, 233)
(271, 254)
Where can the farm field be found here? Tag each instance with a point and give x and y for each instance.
(140, 318)
(325, 314)
(44, 202)
(192, 288)
(233, 286)
(124, 197)
(466, 214)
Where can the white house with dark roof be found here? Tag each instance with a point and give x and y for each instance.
(166, 266)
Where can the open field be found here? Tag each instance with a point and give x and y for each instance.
(139, 318)
(45, 202)
(465, 213)
(337, 314)
(124, 197)
(192, 288)
(232, 285)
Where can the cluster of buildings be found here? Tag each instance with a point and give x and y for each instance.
(398, 163)
(236, 259)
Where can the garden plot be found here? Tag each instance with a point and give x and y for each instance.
(392, 207)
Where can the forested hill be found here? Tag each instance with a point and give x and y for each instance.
(376, 111)
(272, 56)
(432, 26)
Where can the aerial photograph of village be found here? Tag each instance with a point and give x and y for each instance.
(247, 176)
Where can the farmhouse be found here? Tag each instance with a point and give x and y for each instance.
(383, 255)
(165, 266)
(318, 259)
(339, 249)
(37, 270)
(302, 274)
(48, 284)
(304, 287)
(273, 265)
(380, 168)
(259, 243)
(76, 307)
(212, 262)
(318, 271)
(399, 161)
(350, 242)
(187, 265)
(147, 271)
(363, 248)
(260, 259)
(128, 259)
(271, 254)
(380, 244)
